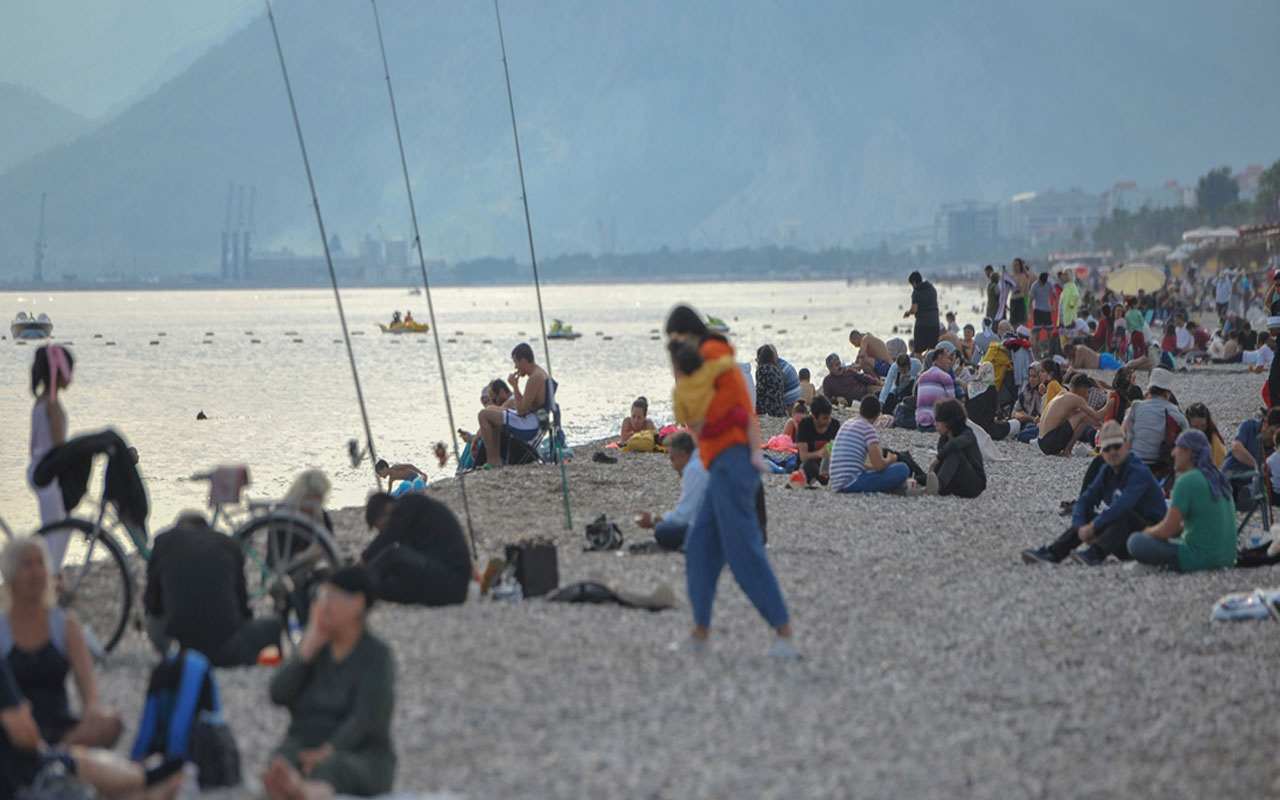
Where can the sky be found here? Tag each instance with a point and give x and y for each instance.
(95, 56)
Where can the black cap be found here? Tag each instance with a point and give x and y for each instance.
(356, 579)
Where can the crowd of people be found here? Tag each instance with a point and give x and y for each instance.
(1163, 489)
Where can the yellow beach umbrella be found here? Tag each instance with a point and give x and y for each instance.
(1131, 278)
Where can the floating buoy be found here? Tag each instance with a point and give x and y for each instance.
(451, 341)
(458, 333)
(208, 333)
(393, 341)
(599, 333)
(357, 333)
(111, 344)
(248, 333)
(339, 341)
(162, 333)
(608, 338)
(97, 336)
(654, 338)
(154, 341)
(486, 341)
(255, 341)
(290, 333)
(782, 331)
(22, 342)
(206, 341)
(766, 326)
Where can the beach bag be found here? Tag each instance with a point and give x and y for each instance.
(643, 442)
(534, 561)
(602, 534)
(182, 718)
(904, 414)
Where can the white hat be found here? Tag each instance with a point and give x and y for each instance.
(1160, 379)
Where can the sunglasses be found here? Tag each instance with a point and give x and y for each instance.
(1111, 447)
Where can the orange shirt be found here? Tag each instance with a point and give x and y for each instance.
(731, 399)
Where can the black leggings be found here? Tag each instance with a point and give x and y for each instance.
(407, 576)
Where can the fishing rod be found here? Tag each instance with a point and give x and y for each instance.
(422, 263)
(324, 240)
(533, 258)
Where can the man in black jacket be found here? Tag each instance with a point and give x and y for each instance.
(196, 596)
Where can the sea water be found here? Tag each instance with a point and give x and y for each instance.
(269, 370)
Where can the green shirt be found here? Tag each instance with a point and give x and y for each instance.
(1208, 525)
(1135, 320)
(347, 704)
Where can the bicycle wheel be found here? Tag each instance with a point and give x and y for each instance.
(96, 581)
(284, 552)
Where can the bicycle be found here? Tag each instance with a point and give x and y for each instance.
(286, 547)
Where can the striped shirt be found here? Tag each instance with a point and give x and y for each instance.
(933, 385)
(849, 452)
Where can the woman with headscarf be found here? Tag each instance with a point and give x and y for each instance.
(1201, 509)
(727, 526)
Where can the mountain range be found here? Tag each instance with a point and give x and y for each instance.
(689, 124)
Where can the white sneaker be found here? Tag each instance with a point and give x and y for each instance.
(690, 646)
(932, 484)
(783, 649)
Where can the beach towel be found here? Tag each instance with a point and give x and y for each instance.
(985, 444)
(782, 443)
(1006, 287)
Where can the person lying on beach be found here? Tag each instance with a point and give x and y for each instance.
(24, 756)
(1067, 419)
(339, 689)
(196, 595)
(420, 554)
(1131, 499)
(958, 469)
(521, 417)
(42, 643)
(1084, 357)
(873, 356)
(1201, 510)
(1147, 425)
(1152, 359)
(812, 435)
(669, 529)
(846, 385)
(858, 464)
(638, 420)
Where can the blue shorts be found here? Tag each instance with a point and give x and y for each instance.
(882, 368)
(1108, 361)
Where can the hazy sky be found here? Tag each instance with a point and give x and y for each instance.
(94, 55)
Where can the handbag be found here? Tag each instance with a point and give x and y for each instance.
(213, 750)
(535, 566)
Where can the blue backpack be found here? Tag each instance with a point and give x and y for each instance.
(182, 719)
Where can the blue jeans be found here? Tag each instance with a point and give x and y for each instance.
(727, 529)
(670, 534)
(886, 480)
(1158, 552)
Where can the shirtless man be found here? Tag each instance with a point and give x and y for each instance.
(522, 417)
(874, 357)
(1067, 417)
(397, 472)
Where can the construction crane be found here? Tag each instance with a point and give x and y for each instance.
(235, 237)
(248, 228)
(40, 244)
(226, 236)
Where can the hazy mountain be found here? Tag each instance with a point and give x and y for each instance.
(32, 125)
(690, 123)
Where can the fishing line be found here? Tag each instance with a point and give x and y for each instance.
(422, 263)
(324, 239)
(537, 286)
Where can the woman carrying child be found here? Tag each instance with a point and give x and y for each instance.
(711, 397)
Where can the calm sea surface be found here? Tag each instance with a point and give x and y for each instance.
(280, 406)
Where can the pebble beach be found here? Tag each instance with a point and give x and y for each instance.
(936, 663)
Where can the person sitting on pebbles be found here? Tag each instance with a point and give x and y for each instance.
(858, 464)
(669, 528)
(340, 691)
(1201, 511)
(958, 469)
(873, 357)
(1132, 498)
(1067, 419)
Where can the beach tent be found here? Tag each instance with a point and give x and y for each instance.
(1197, 235)
(1228, 233)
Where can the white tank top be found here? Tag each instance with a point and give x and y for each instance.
(41, 435)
